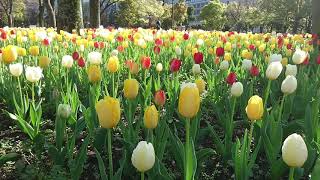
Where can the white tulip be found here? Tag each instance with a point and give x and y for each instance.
(274, 70)
(64, 111)
(291, 70)
(114, 52)
(159, 67)
(95, 58)
(196, 69)
(143, 156)
(33, 74)
(294, 151)
(289, 84)
(81, 47)
(246, 64)
(178, 50)
(224, 65)
(67, 61)
(275, 58)
(187, 85)
(236, 89)
(200, 42)
(299, 56)
(16, 69)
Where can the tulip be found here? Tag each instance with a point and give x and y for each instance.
(151, 117)
(95, 58)
(94, 73)
(22, 52)
(274, 70)
(160, 97)
(114, 52)
(318, 60)
(185, 36)
(33, 74)
(34, 50)
(275, 58)
(291, 70)
(189, 100)
(196, 69)
(219, 51)
(9, 54)
(227, 56)
(67, 61)
(200, 42)
(289, 84)
(16, 69)
(175, 65)
(201, 85)
(143, 156)
(146, 62)
(159, 67)
(254, 108)
(178, 50)
(254, 71)
(64, 111)
(75, 56)
(231, 78)
(156, 50)
(44, 61)
(108, 110)
(294, 151)
(299, 56)
(113, 64)
(246, 64)
(224, 65)
(81, 62)
(198, 57)
(131, 88)
(237, 89)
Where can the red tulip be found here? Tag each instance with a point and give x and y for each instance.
(175, 65)
(120, 48)
(156, 49)
(185, 36)
(306, 61)
(12, 32)
(160, 97)
(96, 44)
(46, 42)
(81, 62)
(94, 36)
(159, 42)
(119, 38)
(101, 45)
(172, 38)
(254, 71)
(220, 51)
(75, 55)
(252, 47)
(231, 78)
(198, 57)
(146, 62)
(289, 46)
(318, 59)
(4, 35)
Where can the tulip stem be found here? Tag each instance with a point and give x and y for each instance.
(267, 94)
(150, 132)
(33, 101)
(291, 173)
(188, 171)
(281, 108)
(250, 135)
(113, 94)
(20, 91)
(142, 175)
(110, 153)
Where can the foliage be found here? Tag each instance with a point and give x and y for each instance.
(212, 15)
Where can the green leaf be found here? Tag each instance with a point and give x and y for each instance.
(8, 157)
(203, 155)
(102, 168)
(217, 141)
(81, 159)
(316, 170)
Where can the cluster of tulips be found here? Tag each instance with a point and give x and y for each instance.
(147, 91)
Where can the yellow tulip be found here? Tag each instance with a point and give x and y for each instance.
(151, 117)
(262, 47)
(34, 50)
(201, 84)
(189, 100)
(108, 110)
(227, 56)
(113, 64)
(254, 108)
(94, 73)
(22, 52)
(131, 88)
(9, 54)
(284, 61)
(44, 61)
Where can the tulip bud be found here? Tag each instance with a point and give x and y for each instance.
(198, 58)
(254, 71)
(236, 89)
(44, 61)
(254, 108)
(151, 117)
(201, 85)
(16, 69)
(114, 52)
(160, 98)
(94, 73)
(189, 100)
(246, 64)
(75, 55)
(224, 65)
(113, 64)
(219, 51)
(131, 88)
(64, 111)
(196, 69)
(108, 110)
(159, 67)
(22, 52)
(231, 78)
(289, 84)
(175, 65)
(34, 50)
(294, 151)
(291, 70)
(95, 58)
(299, 56)
(274, 70)
(143, 156)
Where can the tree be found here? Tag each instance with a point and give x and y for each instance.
(12, 9)
(49, 4)
(179, 12)
(94, 13)
(69, 15)
(212, 15)
(315, 17)
(190, 17)
(41, 13)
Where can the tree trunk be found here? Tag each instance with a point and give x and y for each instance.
(94, 13)
(69, 17)
(51, 12)
(10, 17)
(41, 13)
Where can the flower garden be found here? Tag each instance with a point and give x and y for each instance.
(156, 104)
